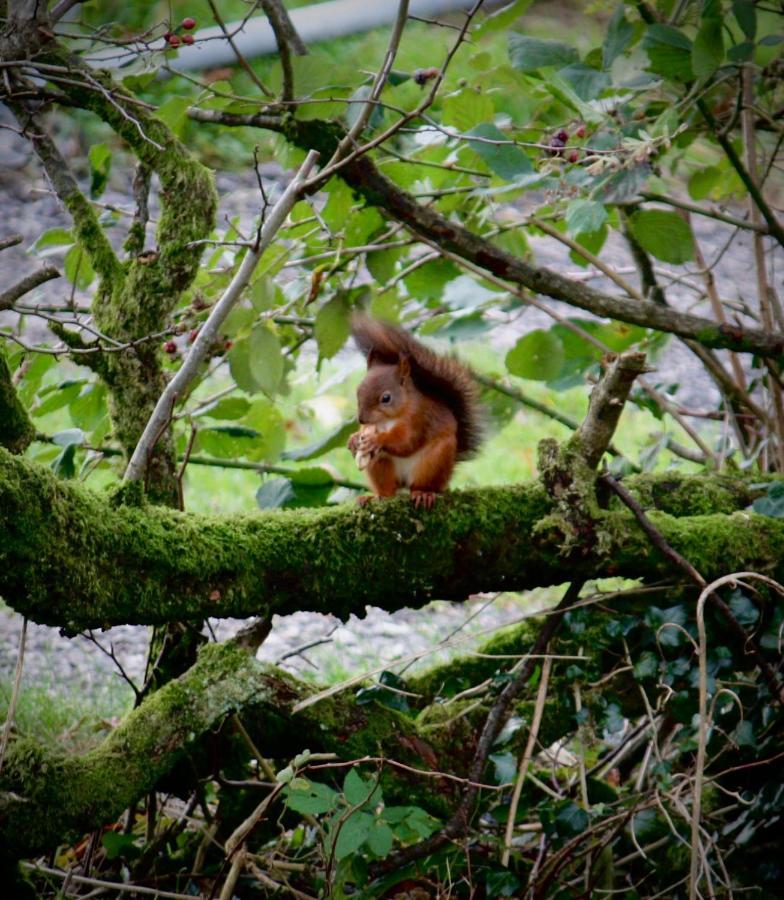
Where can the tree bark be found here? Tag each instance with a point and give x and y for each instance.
(72, 558)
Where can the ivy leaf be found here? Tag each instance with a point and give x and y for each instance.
(664, 235)
(265, 359)
(538, 355)
(381, 694)
(707, 54)
(772, 504)
(528, 53)
(505, 765)
(618, 37)
(506, 161)
(669, 52)
(100, 157)
(332, 326)
(742, 608)
(501, 883)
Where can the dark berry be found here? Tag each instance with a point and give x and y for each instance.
(574, 156)
(174, 41)
(188, 39)
(170, 347)
(188, 23)
(555, 146)
(563, 135)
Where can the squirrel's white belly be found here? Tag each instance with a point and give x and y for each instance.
(405, 465)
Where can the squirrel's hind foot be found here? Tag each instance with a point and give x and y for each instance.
(426, 499)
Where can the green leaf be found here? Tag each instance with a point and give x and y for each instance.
(264, 294)
(53, 237)
(174, 113)
(265, 359)
(380, 839)
(77, 268)
(703, 181)
(571, 819)
(502, 883)
(528, 53)
(742, 608)
(744, 734)
(227, 441)
(664, 235)
(314, 799)
(68, 437)
(89, 408)
(618, 37)
(336, 438)
(620, 187)
(538, 355)
(275, 493)
(228, 408)
(585, 216)
(772, 504)
(381, 263)
(669, 52)
(587, 82)
(467, 109)
(502, 18)
(332, 326)
(100, 157)
(58, 396)
(355, 789)
(746, 16)
(380, 693)
(63, 465)
(117, 845)
(427, 282)
(353, 834)
(239, 366)
(505, 766)
(506, 160)
(707, 54)
(267, 419)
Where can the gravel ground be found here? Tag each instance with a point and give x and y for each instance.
(78, 665)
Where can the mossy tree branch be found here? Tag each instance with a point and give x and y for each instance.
(16, 429)
(58, 540)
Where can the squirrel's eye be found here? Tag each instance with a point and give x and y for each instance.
(386, 397)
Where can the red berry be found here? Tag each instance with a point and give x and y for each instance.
(193, 335)
(574, 156)
(174, 41)
(228, 344)
(188, 39)
(170, 347)
(167, 35)
(563, 135)
(188, 23)
(580, 132)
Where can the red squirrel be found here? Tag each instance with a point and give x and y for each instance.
(418, 411)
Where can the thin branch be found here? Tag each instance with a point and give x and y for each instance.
(11, 241)
(209, 331)
(27, 284)
(287, 39)
(240, 58)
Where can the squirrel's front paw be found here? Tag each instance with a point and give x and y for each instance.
(353, 443)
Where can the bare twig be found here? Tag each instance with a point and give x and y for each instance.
(9, 716)
(11, 241)
(27, 284)
(525, 760)
(287, 40)
(209, 331)
(240, 58)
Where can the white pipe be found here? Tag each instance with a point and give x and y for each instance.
(320, 22)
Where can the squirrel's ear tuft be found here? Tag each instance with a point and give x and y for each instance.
(373, 357)
(403, 367)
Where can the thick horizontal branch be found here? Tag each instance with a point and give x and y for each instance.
(33, 280)
(362, 175)
(71, 558)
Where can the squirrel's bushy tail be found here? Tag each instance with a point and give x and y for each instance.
(442, 377)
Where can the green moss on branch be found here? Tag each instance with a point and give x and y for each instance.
(69, 558)
(16, 429)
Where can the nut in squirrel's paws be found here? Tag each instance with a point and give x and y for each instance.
(366, 448)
